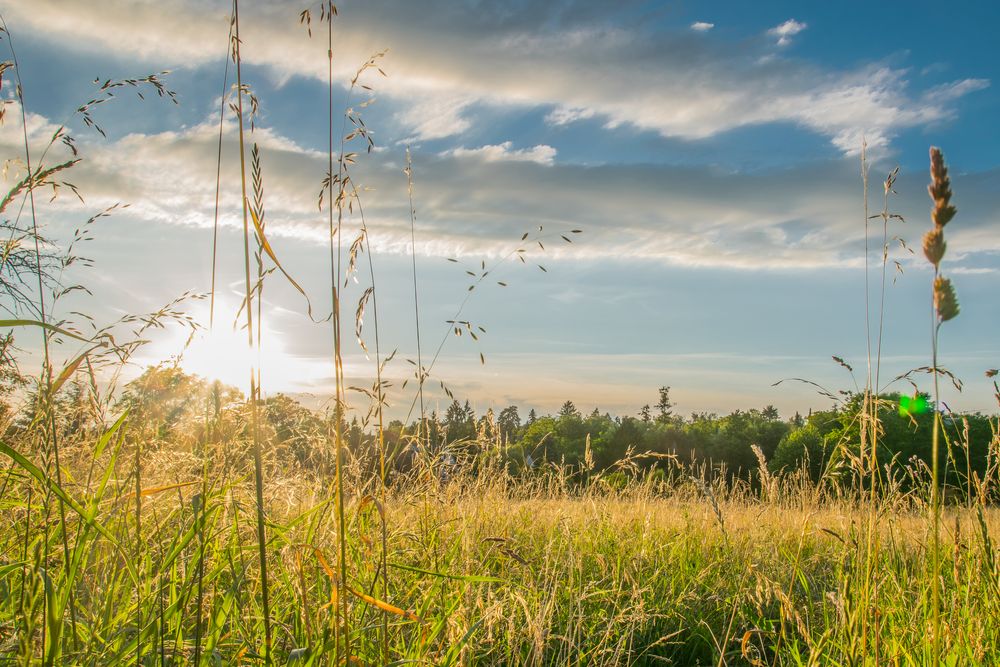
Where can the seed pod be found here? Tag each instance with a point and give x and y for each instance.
(934, 245)
(945, 301)
(940, 190)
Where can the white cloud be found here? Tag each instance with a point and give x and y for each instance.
(565, 115)
(444, 62)
(40, 131)
(542, 154)
(955, 89)
(435, 117)
(786, 31)
(961, 270)
(478, 201)
(702, 26)
(471, 205)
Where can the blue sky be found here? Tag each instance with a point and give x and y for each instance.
(707, 151)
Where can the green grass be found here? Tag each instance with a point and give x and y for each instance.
(487, 569)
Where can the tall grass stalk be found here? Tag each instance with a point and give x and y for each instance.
(380, 426)
(343, 634)
(45, 392)
(416, 293)
(944, 307)
(211, 327)
(870, 421)
(248, 305)
(137, 552)
(218, 175)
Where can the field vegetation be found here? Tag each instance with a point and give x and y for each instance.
(160, 518)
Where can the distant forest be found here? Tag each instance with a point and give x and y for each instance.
(176, 409)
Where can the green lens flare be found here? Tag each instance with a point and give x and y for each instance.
(915, 405)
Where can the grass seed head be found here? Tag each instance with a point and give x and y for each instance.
(945, 301)
(940, 190)
(934, 245)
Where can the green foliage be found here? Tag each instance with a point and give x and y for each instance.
(460, 421)
(664, 406)
(509, 422)
(804, 446)
(294, 430)
(537, 438)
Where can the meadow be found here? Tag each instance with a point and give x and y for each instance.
(150, 517)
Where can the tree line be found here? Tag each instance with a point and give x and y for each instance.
(176, 409)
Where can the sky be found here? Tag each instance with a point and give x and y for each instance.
(708, 154)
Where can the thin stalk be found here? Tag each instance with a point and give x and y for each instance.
(200, 576)
(416, 297)
(137, 554)
(335, 256)
(868, 424)
(449, 328)
(211, 323)
(935, 491)
(873, 542)
(218, 182)
(868, 328)
(160, 626)
(52, 438)
(24, 557)
(944, 306)
(254, 423)
(259, 207)
(885, 261)
(199, 508)
(380, 402)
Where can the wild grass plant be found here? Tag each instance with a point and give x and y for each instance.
(136, 529)
(498, 569)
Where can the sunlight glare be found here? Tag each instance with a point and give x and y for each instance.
(223, 353)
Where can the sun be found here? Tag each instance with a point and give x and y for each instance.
(222, 352)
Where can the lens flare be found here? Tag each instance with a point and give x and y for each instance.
(912, 405)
